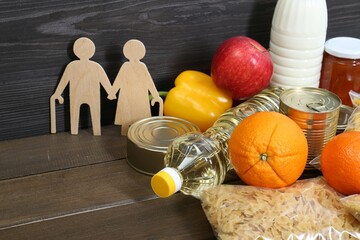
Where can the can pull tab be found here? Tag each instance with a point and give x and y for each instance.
(318, 107)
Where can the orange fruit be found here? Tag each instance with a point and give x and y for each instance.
(268, 149)
(340, 162)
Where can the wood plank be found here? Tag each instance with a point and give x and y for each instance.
(179, 217)
(35, 46)
(101, 201)
(67, 192)
(27, 156)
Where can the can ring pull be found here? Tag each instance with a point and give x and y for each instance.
(318, 107)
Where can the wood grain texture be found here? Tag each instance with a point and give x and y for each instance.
(37, 37)
(81, 187)
(180, 217)
(84, 194)
(46, 153)
(100, 201)
(71, 192)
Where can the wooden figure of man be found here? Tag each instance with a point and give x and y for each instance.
(84, 77)
(134, 83)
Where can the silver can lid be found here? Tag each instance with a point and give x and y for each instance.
(149, 138)
(309, 99)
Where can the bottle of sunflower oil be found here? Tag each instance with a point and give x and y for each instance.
(198, 161)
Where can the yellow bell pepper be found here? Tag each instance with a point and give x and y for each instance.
(197, 99)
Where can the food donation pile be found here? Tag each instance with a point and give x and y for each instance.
(269, 151)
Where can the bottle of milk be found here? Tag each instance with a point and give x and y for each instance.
(298, 35)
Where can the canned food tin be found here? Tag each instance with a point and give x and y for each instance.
(149, 138)
(316, 111)
(344, 115)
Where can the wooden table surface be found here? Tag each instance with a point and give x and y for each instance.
(81, 187)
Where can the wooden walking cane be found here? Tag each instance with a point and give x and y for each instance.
(162, 95)
(52, 114)
(161, 108)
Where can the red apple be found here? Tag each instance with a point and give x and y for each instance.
(242, 66)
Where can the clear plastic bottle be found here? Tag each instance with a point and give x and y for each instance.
(197, 161)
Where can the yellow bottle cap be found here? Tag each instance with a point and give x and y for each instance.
(166, 182)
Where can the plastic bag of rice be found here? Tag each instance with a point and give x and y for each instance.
(308, 209)
(352, 204)
(353, 123)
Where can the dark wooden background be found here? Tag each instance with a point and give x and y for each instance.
(36, 39)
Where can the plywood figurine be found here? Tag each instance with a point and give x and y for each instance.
(84, 78)
(134, 83)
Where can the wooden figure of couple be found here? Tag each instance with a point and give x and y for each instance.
(84, 77)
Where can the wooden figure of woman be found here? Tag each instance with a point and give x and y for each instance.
(134, 83)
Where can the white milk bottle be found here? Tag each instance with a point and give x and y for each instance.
(297, 38)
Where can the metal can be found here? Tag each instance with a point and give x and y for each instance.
(316, 111)
(149, 138)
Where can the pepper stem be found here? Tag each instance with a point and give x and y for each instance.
(162, 94)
